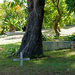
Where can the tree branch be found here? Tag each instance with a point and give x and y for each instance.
(54, 3)
(57, 2)
(58, 10)
(56, 18)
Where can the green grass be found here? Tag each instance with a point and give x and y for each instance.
(59, 62)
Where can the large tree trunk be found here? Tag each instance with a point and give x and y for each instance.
(32, 39)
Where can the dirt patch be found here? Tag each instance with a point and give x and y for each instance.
(1, 49)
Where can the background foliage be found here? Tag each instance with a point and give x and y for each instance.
(18, 19)
(14, 15)
(51, 13)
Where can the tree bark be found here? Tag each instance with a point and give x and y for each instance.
(2, 30)
(32, 39)
(57, 19)
(56, 28)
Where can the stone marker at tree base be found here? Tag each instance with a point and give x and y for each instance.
(21, 59)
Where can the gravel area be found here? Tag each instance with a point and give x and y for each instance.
(4, 39)
(10, 39)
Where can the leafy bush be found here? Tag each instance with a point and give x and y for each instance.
(61, 38)
(11, 52)
(44, 37)
(44, 48)
(70, 38)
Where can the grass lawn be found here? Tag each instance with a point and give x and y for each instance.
(59, 62)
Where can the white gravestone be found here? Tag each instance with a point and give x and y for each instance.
(21, 59)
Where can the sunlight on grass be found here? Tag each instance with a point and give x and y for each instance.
(70, 53)
(73, 65)
(58, 53)
(38, 62)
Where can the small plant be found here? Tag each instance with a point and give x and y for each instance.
(11, 52)
(60, 38)
(49, 38)
(44, 37)
(44, 48)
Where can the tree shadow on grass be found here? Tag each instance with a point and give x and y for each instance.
(57, 62)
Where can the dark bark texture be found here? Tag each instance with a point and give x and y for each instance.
(32, 39)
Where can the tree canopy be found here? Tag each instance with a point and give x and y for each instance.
(14, 15)
(51, 12)
(49, 16)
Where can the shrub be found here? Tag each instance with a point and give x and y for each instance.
(44, 37)
(70, 37)
(11, 52)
